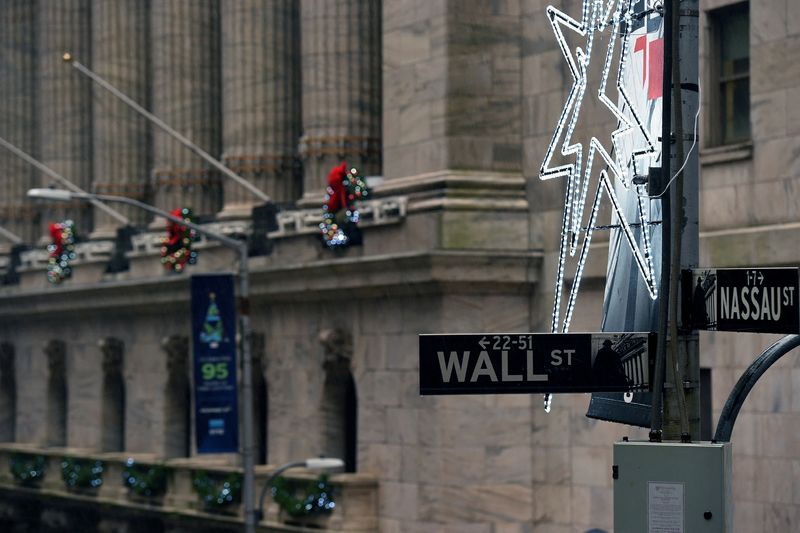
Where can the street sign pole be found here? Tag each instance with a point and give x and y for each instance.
(682, 390)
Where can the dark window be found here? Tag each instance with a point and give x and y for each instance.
(56, 417)
(8, 393)
(730, 69)
(178, 402)
(113, 395)
(340, 411)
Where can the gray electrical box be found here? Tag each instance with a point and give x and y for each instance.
(672, 487)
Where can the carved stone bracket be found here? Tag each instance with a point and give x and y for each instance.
(379, 212)
(338, 346)
(56, 352)
(113, 350)
(85, 252)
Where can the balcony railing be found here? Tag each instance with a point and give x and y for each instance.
(190, 487)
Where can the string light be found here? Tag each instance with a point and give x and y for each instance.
(176, 246)
(342, 194)
(62, 251)
(596, 17)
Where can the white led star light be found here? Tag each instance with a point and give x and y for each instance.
(596, 16)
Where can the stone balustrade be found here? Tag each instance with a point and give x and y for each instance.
(176, 498)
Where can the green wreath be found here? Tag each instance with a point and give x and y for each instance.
(81, 473)
(318, 497)
(27, 468)
(218, 492)
(145, 480)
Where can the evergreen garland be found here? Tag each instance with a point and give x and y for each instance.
(27, 468)
(318, 497)
(218, 492)
(81, 473)
(145, 480)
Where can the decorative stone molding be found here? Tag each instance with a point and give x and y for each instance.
(379, 212)
(150, 243)
(113, 350)
(85, 252)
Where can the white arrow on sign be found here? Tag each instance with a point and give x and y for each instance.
(760, 278)
(483, 342)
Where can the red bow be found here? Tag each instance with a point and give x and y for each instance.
(57, 236)
(336, 188)
(175, 230)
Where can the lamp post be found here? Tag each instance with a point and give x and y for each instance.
(244, 321)
(314, 463)
(169, 130)
(62, 180)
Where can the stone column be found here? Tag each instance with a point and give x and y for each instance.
(341, 54)
(261, 100)
(186, 86)
(122, 159)
(452, 77)
(64, 103)
(18, 116)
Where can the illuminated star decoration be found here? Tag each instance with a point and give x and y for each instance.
(596, 16)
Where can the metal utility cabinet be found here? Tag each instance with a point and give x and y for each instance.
(672, 487)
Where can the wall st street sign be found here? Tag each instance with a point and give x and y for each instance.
(515, 363)
(763, 300)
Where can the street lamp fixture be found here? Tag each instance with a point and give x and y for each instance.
(248, 464)
(313, 463)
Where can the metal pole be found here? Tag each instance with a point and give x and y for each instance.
(62, 180)
(165, 127)
(745, 384)
(656, 415)
(682, 397)
(278, 471)
(248, 464)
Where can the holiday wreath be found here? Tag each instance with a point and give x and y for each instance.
(340, 215)
(176, 246)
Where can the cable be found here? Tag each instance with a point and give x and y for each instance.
(688, 154)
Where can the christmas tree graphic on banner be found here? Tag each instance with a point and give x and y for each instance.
(213, 331)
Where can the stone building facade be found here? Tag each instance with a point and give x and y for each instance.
(453, 103)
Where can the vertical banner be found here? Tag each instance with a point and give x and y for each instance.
(214, 356)
(627, 305)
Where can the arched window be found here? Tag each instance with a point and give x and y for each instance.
(339, 400)
(56, 407)
(113, 396)
(177, 398)
(8, 393)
